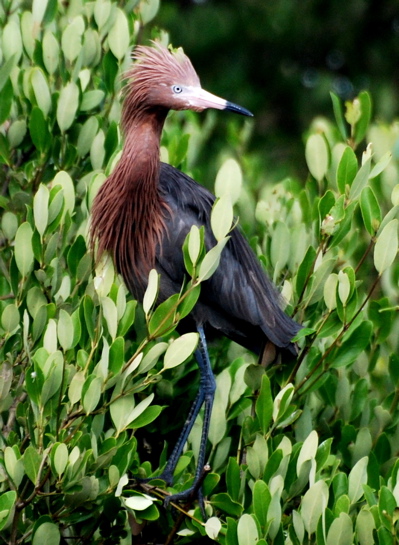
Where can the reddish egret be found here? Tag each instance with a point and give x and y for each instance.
(145, 209)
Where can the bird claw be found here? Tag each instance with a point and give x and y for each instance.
(188, 496)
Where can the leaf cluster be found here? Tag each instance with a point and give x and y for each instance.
(303, 453)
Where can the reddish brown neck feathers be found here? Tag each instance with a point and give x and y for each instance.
(127, 214)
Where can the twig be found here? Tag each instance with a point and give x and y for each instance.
(185, 509)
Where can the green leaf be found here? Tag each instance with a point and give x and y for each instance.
(233, 480)
(91, 99)
(305, 269)
(229, 180)
(86, 135)
(280, 246)
(38, 129)
(317, 156)
(152, 356)
(6, 69)
(362, 124)
(360, 180)
(226, 504)
(67, 106)
(314, 502)
(118, 36)
(65, 330)
(264, 405)
(40, 208)
(339, 115)
(146, 417)
(386, 246)
(341, 531)
(381, 165)
(164, 318)
(347, 169)
(7, 502)
(71, 41)
(261, 501)
(370, 209)
(111, 315)
(148, 10)
(213, 527)
(47, 534)
(139, 502)
(116, 355)
(247, 531)
(91, 393)
(357, 478)
(353, 346)
(211, 260)
(6, 99)
(194, 244)
(23, 249)
(127, 319)
(32, 461)
(365, 526)
(222, 217)
(41, 90)
(59, 457)
(10, 318)
(151, 293)
(180, 350)
(12, 40)
(51, 52)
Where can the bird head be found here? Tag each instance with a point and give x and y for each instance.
(164, 78)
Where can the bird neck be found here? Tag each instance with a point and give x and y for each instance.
(128, 212)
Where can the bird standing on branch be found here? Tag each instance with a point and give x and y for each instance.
(144, 211)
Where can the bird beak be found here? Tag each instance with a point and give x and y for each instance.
(199, 98)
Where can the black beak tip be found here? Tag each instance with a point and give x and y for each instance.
(231, 107)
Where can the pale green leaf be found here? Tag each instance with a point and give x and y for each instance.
(211, 260)
(229, 180)
(47, 534)
(386, 246)
(313, 505)
(180, 350)
(139, 503)
(222, 217)
(40, 208)
(60, 457)
(340, 531)
(118, 36)
(51, 52)
(151, 292)
(213, 527)
(65, 330)
(357, 478)
(247, 531)
(68, 103)
(23, 249)
(41, 90)
(316, 153)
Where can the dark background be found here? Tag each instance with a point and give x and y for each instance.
(281, 59)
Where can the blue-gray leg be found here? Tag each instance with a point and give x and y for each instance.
(205, 396)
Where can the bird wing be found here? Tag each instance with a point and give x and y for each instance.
(238, 300)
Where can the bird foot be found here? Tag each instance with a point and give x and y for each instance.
(188, 496)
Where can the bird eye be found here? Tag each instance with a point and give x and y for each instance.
(177, 89)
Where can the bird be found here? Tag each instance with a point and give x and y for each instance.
(142, 214)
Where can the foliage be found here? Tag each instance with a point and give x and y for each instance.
(305, 453)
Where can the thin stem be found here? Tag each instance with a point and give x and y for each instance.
(334, 344)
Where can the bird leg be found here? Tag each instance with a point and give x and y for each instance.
(205, 396)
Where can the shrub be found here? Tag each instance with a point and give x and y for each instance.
(305, 453)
